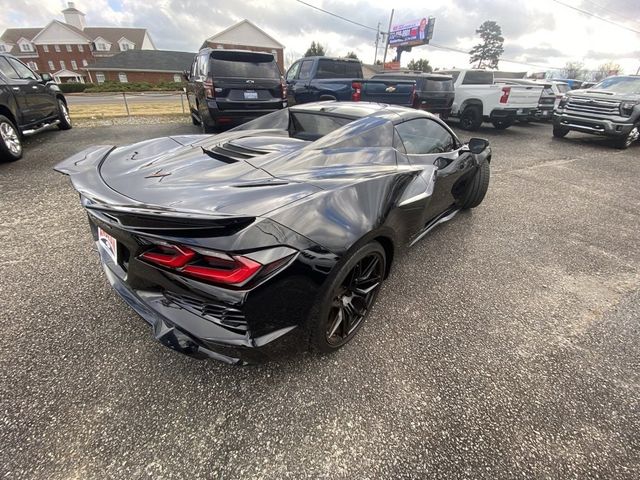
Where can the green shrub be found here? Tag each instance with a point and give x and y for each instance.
(134, 87)
(74, 87)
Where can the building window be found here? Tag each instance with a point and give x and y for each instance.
(84, 62)
(74, 65)
(33, 66)
(124, 47)
(99, 77)
(122, 77)
(52, 67)
(62, 65)
(56, 48)
(45, 48)
(102, 47)
(69, 48)
(80, 48)
(177, 77)
(26, 47)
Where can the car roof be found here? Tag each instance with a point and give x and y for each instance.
(339, 59)
(356, 110)
(413, 73)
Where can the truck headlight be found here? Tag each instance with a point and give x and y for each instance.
(626, 108)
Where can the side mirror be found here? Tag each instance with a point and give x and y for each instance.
(478, 145)
(46, 78)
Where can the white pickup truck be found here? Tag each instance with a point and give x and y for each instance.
(479, 99)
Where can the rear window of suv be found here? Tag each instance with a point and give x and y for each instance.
(434, 85)
(338, 69)
(473, 77)
(243, 65)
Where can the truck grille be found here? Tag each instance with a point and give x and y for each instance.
(593, 106)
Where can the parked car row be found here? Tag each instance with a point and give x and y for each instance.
(29, 103)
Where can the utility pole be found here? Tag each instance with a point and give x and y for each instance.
(386, 44)
(638, 71)
(375, 58)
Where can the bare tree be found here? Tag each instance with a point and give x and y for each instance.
(574, 70)
(606, 70)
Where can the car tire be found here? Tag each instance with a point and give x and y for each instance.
(560, 132)
(471, 118)
(478, 187)
(341, 311)
(10, 141)
(626, 141)
(502, 124)
(63, 116)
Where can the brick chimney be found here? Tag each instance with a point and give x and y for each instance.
(73, 16)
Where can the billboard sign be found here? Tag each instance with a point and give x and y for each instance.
(413, 33)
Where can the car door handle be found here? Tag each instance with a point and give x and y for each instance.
(17, 89)
(35, 87)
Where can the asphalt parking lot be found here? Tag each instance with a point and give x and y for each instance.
(504, 344)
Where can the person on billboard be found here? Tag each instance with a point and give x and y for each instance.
(422, 32)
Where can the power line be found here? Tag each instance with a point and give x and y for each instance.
(616, 13)
(337, 16)
(585, 12)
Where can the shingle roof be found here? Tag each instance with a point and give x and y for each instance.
(113, 34)
(110, 34)
(12, 35)
(153, 60)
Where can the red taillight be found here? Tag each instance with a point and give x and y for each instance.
(169, 256)
(216, 268)
(505, 94)
(209, 91)
(239, 270)
(283, 88)
(357, 91)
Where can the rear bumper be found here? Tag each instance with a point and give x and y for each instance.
(512, 113)
(190, 334)
(238, 112)
(596, 126)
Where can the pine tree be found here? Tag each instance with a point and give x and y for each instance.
(488, 53)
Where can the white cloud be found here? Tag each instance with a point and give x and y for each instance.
(541, 32)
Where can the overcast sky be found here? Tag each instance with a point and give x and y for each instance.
(539, 32)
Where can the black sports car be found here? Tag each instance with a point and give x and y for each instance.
(274, 236)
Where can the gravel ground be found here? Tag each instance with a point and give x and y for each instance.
(504, 344)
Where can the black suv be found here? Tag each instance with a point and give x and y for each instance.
(610, 108)
(29, 103)
(434, 92)
(233, 86)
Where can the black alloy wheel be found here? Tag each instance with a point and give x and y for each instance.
(471, 118)
(353, 297)
(63, 116)
(10, 143)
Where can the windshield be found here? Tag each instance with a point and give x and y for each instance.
(620, 85)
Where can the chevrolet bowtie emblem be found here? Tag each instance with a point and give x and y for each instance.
(390, 89)
(158, 174)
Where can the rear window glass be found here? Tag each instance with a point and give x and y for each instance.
(244, 65)
(454, 73)
(562, 87)
(438, 85)
(478, 78)
(310, 126)
(338, 69)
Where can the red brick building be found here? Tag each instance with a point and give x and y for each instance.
(65, 49)
(245, 35)
(151, 66)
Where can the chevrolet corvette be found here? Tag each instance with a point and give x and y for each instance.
(275, 236)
